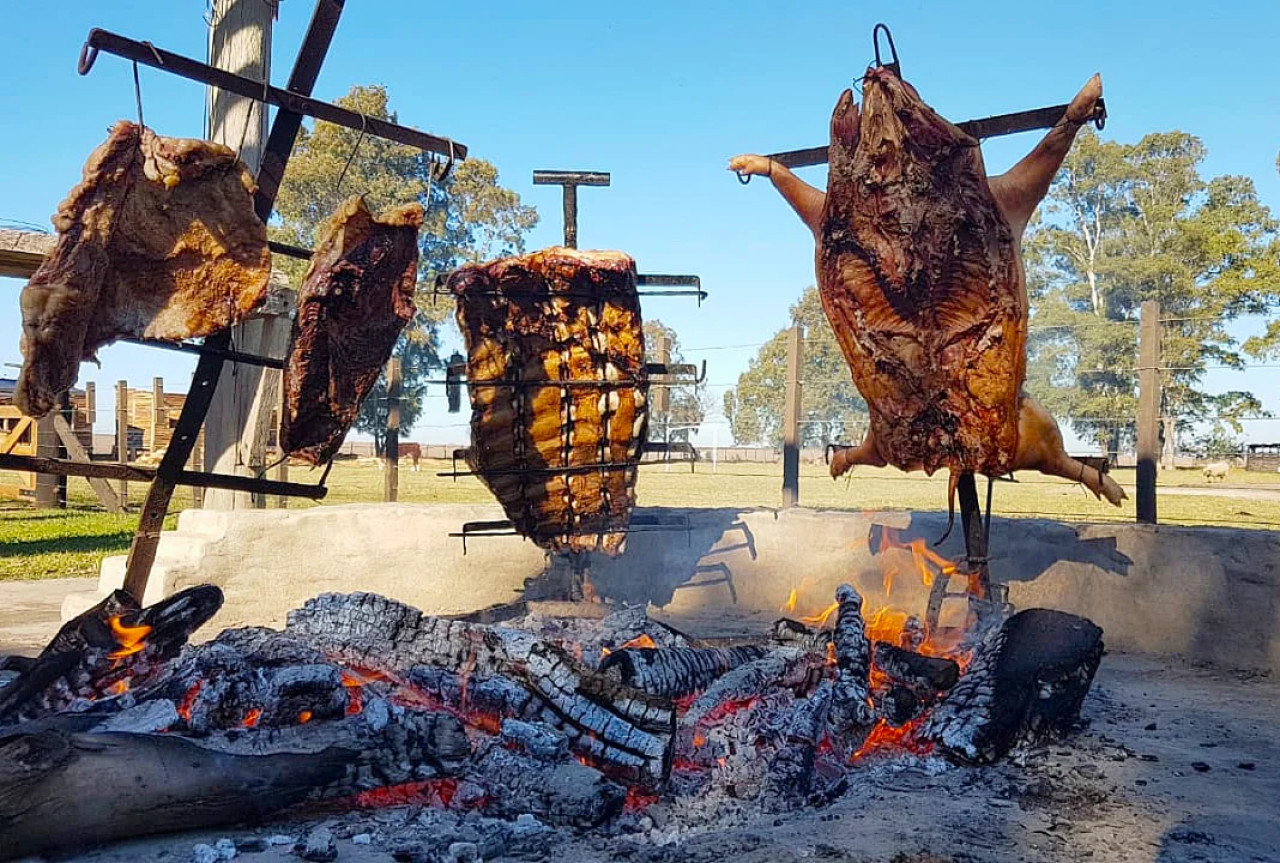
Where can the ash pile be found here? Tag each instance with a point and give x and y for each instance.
(613, 724)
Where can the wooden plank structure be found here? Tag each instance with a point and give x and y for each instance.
(294, 102)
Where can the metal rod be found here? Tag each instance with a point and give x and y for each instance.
(1148, 409)
(544, 471)
(199, 479)
(289, 250)
(210, 350)
(984, 127)
(289, 100)
(975, 541)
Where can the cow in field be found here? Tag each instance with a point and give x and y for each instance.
(411, 451)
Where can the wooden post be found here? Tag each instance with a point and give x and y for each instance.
(235, 429)
(46, 447)
(91, 405)
(122, 434)
(791, 419)
(159, 416)
(282, 469)
(391, 452)
(1148, 409)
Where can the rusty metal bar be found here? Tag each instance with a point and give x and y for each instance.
(126, 472)
(292, 101)
(207, 349)
(983, 127)
(569, 181)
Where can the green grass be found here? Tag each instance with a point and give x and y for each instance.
(50, 544)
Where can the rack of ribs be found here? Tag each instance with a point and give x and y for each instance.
(558, 387)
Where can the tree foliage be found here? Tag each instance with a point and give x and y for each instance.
(1124, 223)
(832, 410)
(469, 217)
(687, 405)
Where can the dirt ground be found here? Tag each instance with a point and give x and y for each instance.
(1177, 763)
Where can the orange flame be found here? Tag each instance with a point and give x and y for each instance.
(130, 638)
(641, 641)
(884, 735)
(304, 717)
(790, 604)
(820, 620)
(831, 653)
(251, 718)
(120, 687)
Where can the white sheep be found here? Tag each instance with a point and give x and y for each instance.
(1216, 470)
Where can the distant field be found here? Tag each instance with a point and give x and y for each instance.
(73, 543)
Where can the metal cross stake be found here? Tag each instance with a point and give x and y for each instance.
(570, 180)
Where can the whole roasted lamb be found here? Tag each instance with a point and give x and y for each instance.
(919, 264)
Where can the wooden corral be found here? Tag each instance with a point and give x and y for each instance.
(22, 435)
(1263, 457)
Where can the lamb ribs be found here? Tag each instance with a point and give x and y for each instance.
(159, 240)
(558, 390)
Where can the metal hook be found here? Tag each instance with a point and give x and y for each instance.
(743, 178)
(88, 55)
(895, 67)
(1100, 114)
(137, 94)
(448, 166)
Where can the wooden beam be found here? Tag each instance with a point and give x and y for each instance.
(106, 494)
(22, 251)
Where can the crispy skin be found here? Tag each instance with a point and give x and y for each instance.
(355, 300)
(158, 241)
(920, 275)
(557, 314)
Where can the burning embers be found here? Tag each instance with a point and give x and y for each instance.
(574, 720)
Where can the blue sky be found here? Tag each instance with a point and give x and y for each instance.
(661, 94)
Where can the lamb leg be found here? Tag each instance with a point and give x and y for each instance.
(1040, 448)
(845, 458)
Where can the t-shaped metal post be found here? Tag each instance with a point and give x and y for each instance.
(570, 180)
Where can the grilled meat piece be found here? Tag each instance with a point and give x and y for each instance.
(158, 241)
(920, 272)
(561, 459)
(355, 300)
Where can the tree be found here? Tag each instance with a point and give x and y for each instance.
(832, 409)
(469, 217)
(1124, 223)
(686, 404)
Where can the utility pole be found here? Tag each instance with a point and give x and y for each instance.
(791, 419)
(391, 452)
(238, 423)
(1148, 409)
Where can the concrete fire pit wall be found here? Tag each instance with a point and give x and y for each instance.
(1211, 594)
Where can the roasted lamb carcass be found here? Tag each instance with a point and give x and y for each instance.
(354, 302)
(920, 272)
(158, 241)
(561, 458)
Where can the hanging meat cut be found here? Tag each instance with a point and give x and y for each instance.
(920, 272)
(354, 302)
(158, 241)
(556, 373)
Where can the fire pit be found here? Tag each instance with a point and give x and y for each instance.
(581, 722)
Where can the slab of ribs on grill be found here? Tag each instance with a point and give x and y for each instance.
(556, 375)
(919, 265)
(158, 241)
(355, 300)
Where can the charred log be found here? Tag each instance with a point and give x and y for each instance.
(563, 792)
(916, 670)
(605, 719)
(1026, 684)
(782, 668)
(114, 640)
(851, 712)
(794, 633)
(674, 672)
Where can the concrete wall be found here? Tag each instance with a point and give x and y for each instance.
(1207, 593)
